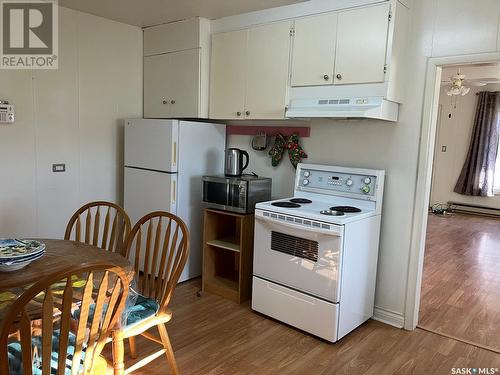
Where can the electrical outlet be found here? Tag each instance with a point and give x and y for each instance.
(58, 168)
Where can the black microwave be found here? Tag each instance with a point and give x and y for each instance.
(236, 194)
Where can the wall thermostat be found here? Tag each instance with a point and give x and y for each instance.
(6, 112)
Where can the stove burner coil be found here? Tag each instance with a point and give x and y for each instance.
(332, 213)
(346, 209)
(286, 204)
(300, 200)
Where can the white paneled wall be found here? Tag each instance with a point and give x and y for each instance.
(438, 28)
(72, 116)
(18, 156)
(464, 26)
(110, 89)
(55, 94)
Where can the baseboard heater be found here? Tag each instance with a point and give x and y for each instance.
(474, 209)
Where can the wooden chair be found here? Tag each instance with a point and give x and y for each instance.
(158, 246)
(55, 349)
(113, 220)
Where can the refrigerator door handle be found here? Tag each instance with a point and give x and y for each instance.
(174, 156)
(174, 193)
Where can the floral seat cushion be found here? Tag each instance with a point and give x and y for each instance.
(143, 308)
(15, 355)
(137, 309)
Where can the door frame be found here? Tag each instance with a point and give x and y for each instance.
(424, 176)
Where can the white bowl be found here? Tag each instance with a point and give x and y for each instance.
(17, 265)
(8, 248)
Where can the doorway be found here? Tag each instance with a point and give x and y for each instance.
(460, 290)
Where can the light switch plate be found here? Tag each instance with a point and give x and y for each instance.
(58, 168)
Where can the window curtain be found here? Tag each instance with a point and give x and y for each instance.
(478, 173)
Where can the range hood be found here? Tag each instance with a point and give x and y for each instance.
(371, 107)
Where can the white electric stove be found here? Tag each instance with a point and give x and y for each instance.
(315, 254)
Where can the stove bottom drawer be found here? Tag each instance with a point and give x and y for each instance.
(300, 310)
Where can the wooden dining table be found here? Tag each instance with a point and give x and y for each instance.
(59, 255)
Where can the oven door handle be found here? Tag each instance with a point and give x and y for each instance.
(338, 231)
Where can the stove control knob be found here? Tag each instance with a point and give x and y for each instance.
(366, 189)
(305, 182)
(349, 182)
(367, 180)
(307, 173)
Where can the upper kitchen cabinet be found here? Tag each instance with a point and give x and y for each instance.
(184, 84)
(156, 71)
(361, 45)
(268, 55)
(176, 36)
(353, 53)
(314, 36)
(176, 69)
(349, 47)
(249, 74)
(227, 77)
(171, 84)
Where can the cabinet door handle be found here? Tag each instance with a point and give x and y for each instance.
(238, 113)
(172, 101)
(164, 101)
(339, 76)
(247, 113)
(326, 77)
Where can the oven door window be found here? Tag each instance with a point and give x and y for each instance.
(296, 246)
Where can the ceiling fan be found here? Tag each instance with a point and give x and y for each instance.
(460, 85)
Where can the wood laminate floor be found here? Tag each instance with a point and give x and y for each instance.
(211, 335)
(461, 281)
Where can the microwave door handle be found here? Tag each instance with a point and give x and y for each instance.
(228, 195)
(337, 232)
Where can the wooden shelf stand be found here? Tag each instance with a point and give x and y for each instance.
(228, 254)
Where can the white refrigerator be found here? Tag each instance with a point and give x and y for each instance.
(164, 163)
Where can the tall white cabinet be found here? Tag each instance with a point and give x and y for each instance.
(176, 69)
(249, 74)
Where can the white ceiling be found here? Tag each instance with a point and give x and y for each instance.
(153, 12)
